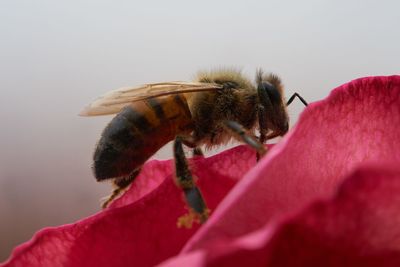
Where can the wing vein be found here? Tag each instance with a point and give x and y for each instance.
(113, 101)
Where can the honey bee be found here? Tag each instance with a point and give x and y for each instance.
(210, 111)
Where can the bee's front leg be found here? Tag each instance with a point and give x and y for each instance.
(184, 180)
(243, 136)
(262, 122)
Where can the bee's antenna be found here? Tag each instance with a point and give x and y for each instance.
(299, 96)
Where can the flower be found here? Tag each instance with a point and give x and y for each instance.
(327, 195)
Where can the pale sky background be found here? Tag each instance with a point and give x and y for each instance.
(57, 56)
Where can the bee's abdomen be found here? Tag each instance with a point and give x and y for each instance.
(137, 132)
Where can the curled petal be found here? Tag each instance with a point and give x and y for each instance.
(359, 226)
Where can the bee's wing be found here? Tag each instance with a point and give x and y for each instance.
(113, 101)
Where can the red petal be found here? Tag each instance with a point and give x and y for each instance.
(231, 164)
(359, 226)
(358, 122)
(140, 228)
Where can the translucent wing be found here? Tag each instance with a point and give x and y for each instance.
(113, 101)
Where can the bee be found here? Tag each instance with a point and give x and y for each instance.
(212, 110)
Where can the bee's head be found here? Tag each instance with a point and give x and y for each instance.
(271, 97)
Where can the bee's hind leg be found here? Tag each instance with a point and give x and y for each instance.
(242, 135)
(184, 180)
(120, 185)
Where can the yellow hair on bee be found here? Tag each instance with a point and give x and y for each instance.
(224, 75)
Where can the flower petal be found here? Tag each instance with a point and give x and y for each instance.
(358, 122)
(140, 229)
(359, 226)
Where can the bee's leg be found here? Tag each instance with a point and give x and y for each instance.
(264, 108)
(242, 135)
(184, 180)
(262, 122)
(120, 185)
(189, 141)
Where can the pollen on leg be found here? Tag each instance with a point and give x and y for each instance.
(187, 220)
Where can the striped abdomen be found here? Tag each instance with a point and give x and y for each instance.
(137, 132)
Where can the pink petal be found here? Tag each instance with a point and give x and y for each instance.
(359, 226)
(140, 228)
(358, 122)
(231, 164)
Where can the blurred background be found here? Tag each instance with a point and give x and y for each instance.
(57, 56)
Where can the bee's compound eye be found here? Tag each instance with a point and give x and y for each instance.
(273, 93)
(286, 127)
